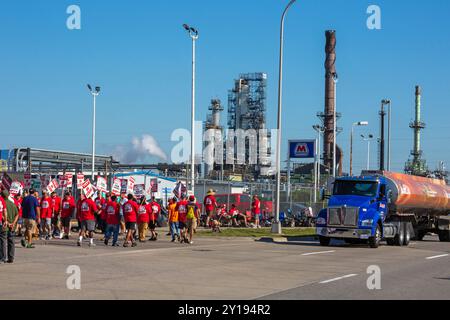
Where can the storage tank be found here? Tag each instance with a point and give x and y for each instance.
(419, 195)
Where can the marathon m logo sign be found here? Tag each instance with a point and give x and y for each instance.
(302, 149)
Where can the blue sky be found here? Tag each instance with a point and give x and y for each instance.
(140, 55)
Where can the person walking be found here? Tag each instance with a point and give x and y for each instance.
(67, 210)
(192, 215)
(210, 204)
(87, 216)
(112, 221)
(181, 208)
(155, 210)
(56, 216)
(18, 202)
(143, 219)
(31, 215)
(123, 199)
(173, 220)
(7, 246)
(130, 210)
(46, 216)
(100, 203)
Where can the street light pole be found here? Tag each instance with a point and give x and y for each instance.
(193, 33)
(335, 80)
(276, 226)
(320, 130)
(94, 94)
(361, 123)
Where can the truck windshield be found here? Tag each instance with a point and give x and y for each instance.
(355, 188)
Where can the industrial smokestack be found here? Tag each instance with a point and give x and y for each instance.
(328, 117)
(417, 126)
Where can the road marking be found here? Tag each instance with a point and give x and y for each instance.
(314, 253)
(337, 279)
(436, 257)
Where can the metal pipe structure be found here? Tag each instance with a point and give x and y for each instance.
(94, 94)
(389, 135)
(276, 226)
(193, 33)
(382, 136)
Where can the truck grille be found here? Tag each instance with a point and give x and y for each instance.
(343, 217)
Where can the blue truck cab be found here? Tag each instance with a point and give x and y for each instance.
(356, 211)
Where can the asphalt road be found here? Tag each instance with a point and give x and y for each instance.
(242, 269)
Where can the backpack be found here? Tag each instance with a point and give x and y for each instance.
(191, 212)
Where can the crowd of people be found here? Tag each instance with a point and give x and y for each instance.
(47, 216)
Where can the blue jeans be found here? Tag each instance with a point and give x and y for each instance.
(114, 230)
(174, 230)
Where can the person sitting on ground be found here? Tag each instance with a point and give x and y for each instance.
(237, 216)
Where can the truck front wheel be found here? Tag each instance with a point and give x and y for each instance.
(324, 241)
(374, 242)
(407, 234)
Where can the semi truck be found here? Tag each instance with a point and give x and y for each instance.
(380, 205)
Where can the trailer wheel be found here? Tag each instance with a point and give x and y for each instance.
(399, 238)
(420, 234)
(407, 236)
(444, 235)
(324, 241)
(374, 242)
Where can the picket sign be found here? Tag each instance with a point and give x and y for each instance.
(139, 190)
(27, 180)
(101, 184)
(16, 188)
(52, 186)
(80, 181)
(130, 186)
(69, 177)
(116, 187)
(63, 182)
(88, 188)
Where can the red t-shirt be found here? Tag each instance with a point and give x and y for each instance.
(112, 213)
(56, 205)
(234, 212)
(155, 209)
(130, 210)
(67, 208)
(256, 207)
(46, 208)
(101, 205)
(88, 209)
(210, 203)
(143, 214)
(2, 208)
(182, 211)
(18, 204)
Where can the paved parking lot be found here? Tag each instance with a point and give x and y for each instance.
(235, 268)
